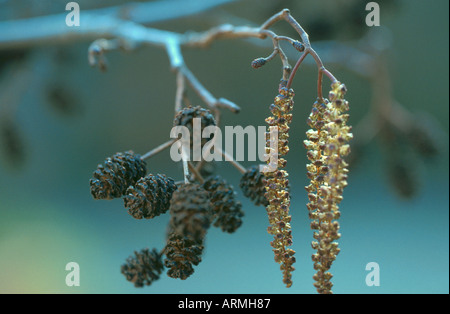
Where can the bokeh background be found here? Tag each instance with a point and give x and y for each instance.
(68, 117)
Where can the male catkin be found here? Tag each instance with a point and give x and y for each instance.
(327, 145)
(277, 184)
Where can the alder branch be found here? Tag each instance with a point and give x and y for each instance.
(96, 23)
(122, 28)
(353, 56)
(158, 149)
(132, 35)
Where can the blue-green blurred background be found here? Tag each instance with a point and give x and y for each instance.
(48, 217)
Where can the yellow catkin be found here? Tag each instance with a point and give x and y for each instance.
(327, 145)
(277, 182)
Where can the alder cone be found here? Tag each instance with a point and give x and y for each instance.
(190, 212)
(186, 116)
(181, 253)
(116, 174)
(253, 186)
(226, 210)
(11, 142)
(150, 196)
(143, 268)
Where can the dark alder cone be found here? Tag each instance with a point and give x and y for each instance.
(11, 142)
(186, 116)
(150, 196)
(63, 100)
(143, 268)
(116, 174)
(402, 175)
(181, 253)
(226, 210)
(190, 211)
(423, 137)
(253, 186)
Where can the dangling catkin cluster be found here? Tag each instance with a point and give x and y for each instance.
(327, 145)
(277, 184)
(226, 210)
(116, 174)
(150, 196)
(143, 268)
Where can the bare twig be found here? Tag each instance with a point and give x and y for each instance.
(158, 149)
(230, 159)
(196, 173)
(204, 94)
(185, 165)
(285, 15)
(181, 90)
(97, 50)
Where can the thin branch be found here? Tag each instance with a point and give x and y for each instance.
(97, 50)
(297, 65)
(196, 173)
(185, 165)
(181, 90)
(284, 14)
(205, 95)
(230, 159)
(277, 50)
(225, 31)
(158, 149)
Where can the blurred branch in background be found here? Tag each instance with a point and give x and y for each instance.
(97, 22)
(124, 26)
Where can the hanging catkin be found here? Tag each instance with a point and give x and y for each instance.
(277, 184)
(327, 146)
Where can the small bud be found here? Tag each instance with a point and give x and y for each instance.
(298, 45)
(258, 62)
